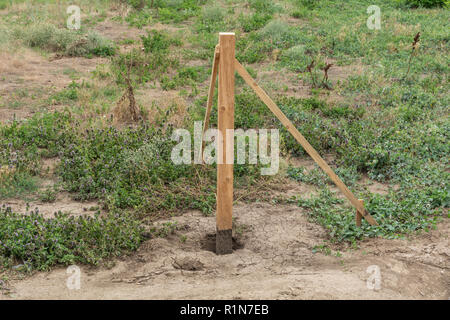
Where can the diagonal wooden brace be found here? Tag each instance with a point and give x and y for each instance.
(303, 142)
(212, 86)
(358, 216)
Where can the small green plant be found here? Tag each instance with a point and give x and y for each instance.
(137, 4)
(149, 65)
(17, 184)
(323, 248)
(280, 34)
(49, 195)
(185, 76)
(158, 42)
(317, 177)
(424, 3)
(211, 19)
(40, 243)
(64, 41)
(66, 95)
(254, 21)
(175, 10)
(165, 229)
(308, 4)
(300, 13)
(264, 6)
(397, 213)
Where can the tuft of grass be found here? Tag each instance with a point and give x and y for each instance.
(397, 213)
(279, 34)
(49, 195)
(317, 177)
(424, 3)
(72, 43)
(158, 42)
(40, 243)
(254, 21)
(211, 19)
(17, 184)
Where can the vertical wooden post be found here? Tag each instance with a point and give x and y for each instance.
(358, 214)
(224, 244)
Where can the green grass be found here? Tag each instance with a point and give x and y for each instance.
(17, 185)
(397, 213)
(39, 243)
(50, 38)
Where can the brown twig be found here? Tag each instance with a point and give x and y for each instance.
(309, 68)
(132, 108)
(413, 50)
(325, 74)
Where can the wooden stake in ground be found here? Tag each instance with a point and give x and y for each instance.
(225, 121)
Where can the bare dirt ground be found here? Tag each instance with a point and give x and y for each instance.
(274, 259)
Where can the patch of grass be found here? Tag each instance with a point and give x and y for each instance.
(152, 64)
(397, 213)
(66, 95)
(279, 34)
(317, 177)
(48, 195)
(254, 21)
(257, 45)
(40, 243)
(139, 18)
(297, 58)
(185, 76)
(424, 3)
(165, 229)
(211, 19)
(170, 11)
(128, 168)
(72, 43)
(158, 42)
(17, 184)
(91, 45)
(265, 6)
(144, 176)
(178, 10)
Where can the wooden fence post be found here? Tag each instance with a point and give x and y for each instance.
(224, 244)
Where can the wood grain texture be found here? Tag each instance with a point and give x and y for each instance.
(225, 121)
(303, 142)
